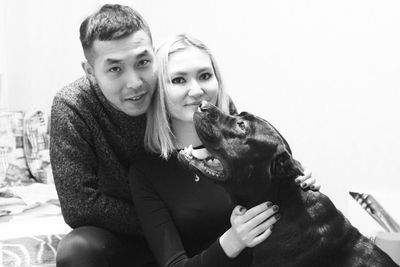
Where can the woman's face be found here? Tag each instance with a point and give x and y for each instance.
(192, 80)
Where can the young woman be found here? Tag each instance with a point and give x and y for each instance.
(187, 221)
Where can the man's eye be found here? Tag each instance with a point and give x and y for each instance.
(115, 69)
(205, 76)
(143, 62)
(178, 80)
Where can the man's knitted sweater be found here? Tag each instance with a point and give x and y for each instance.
(91, 146)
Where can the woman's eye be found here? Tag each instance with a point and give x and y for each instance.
(205, 76)
(178, 80)
(143, 62)
(115, 69)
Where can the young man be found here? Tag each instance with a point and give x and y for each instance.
(97, 130)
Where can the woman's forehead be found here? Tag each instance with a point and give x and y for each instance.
(189, 58)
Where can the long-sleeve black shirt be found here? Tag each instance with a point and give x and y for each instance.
(182, 218)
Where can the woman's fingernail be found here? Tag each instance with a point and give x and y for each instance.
(297, 180)
(277, 216)
(268, 203)
(303, 185)
(275, 208)
(271, 227)
(312, 187)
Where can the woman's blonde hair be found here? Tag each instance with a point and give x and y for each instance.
(159, 137)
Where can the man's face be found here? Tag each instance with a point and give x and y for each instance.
(125, 71)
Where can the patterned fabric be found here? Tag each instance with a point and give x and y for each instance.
(13, 166)
(29, 251)
(37, 145)
(24, 148)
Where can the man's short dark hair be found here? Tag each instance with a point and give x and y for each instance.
(111, 22)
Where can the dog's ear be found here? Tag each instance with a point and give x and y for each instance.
(296, 168)
(286, 166)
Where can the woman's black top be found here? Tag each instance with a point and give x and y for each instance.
(182, 217)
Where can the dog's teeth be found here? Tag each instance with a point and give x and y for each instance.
(213, 162)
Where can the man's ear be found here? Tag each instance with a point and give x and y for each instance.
(87, 68)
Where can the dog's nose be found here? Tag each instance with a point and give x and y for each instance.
(203, 106)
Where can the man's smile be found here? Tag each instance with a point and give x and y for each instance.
(137, 97)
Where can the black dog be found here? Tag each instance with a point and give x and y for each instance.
(253, 162)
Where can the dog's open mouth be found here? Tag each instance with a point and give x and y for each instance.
(203, 161)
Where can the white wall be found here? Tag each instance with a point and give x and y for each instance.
(325, 73)
(3, 92)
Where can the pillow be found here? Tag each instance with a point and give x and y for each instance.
(37, 145)
(24, 148)
(13, 165)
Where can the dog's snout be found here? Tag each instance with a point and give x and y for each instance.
(203, 106)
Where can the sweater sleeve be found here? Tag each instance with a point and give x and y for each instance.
(162, 235)
(74, 165)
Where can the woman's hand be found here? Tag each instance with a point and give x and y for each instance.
(249, 227)
(307, 181)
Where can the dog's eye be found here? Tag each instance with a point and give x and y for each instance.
(242, 125)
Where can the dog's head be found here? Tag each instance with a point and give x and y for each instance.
(247, 154)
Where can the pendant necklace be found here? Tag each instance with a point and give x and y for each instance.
(196, 177)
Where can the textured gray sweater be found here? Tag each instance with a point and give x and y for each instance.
(92, 146)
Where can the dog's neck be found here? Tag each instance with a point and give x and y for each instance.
(288, 193)
(254, 190)
(282, 192)
(252, 183)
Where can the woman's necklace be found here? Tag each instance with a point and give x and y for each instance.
(196, 177)
(199, 147)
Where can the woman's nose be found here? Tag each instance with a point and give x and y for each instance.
(195, 89)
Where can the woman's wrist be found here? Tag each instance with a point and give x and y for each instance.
(230, 244)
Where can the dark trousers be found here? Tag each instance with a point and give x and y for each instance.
(93, 246)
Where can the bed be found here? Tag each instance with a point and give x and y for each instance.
(31, 226)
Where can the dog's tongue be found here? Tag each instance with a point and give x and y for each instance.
(201, 153)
